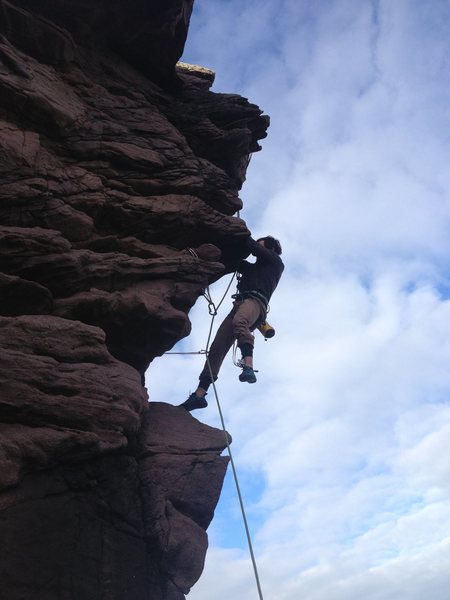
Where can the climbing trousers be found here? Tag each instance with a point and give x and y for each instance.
(238, 325)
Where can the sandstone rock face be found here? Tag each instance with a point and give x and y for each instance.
(88, 523)
(114, 165)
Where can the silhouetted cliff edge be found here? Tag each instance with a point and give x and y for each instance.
(113, 163)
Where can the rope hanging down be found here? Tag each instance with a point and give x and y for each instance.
(238, 488)
(213, 309)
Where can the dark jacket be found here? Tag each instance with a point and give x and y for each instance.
(263, 275)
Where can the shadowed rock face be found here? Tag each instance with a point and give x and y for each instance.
(114, 163)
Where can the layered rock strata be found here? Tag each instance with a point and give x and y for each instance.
(115, 164)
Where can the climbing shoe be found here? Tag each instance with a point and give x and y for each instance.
(248, 375)
(194, 402)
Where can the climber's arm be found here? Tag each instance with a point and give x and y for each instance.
(260, 251)
(243, 266)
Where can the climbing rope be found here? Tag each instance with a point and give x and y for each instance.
(213, 310)
(236, 482)
(196, 352)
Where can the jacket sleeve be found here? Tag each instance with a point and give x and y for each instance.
(243, 266)
(260, 251)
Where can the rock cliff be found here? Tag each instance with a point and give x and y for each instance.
(115, 162)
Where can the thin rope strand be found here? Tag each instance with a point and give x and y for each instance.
(226, 291)
(196, 352)
(236, 481)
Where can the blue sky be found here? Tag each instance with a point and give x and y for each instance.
(343, 444)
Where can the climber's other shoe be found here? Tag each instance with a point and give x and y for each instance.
(194, 402)
(248, 375)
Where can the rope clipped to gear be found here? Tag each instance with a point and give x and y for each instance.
(212, 308)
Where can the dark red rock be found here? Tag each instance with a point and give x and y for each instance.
(181, 477)
(111, 526)
(119, 190)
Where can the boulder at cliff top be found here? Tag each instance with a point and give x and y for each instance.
(119, 190)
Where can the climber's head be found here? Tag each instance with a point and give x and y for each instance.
(271, 243)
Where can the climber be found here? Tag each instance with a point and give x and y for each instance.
(255, 288)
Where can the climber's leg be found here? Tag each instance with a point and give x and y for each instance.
(194, 402)
(223, 341)
(245, 320)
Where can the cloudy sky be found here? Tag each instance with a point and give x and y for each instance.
(342, 447)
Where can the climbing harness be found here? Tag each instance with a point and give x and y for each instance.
(263, 327)
(213, 310)
(252, 294)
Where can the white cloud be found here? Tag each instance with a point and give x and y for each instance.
(346, 431)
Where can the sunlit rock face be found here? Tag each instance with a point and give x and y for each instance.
(114, 165)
